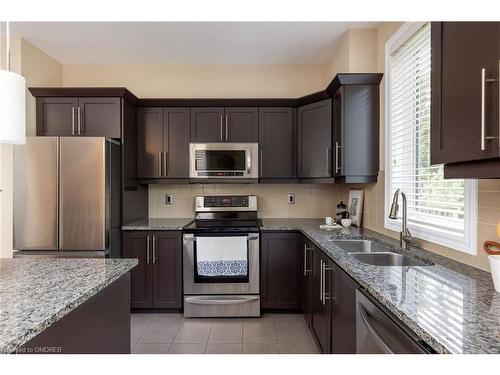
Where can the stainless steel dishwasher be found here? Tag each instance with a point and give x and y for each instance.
(378, 333)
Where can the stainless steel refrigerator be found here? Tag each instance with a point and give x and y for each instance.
(67, 194)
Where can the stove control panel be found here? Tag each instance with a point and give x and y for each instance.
(226, 203)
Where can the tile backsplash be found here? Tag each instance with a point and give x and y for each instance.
(311, 200)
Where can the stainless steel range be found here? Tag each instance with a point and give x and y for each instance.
(221, 258)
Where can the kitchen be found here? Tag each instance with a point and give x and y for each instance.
(256, 200)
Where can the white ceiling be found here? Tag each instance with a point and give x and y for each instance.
(186, 42)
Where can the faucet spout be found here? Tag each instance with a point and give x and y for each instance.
(404, 235)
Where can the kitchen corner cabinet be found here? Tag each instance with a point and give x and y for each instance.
(276, 143)
(355, 111)
(465, 93)
(280, 270)
(163, 143)
(86, 116)
(224, 124)
(156, 282)
(314, 128)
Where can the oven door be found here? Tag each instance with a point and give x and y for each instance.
(225, 263)
(223, 160)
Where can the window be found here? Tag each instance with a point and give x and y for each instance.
(439, 210)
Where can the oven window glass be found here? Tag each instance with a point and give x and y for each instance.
(221, 259)
(222, 160)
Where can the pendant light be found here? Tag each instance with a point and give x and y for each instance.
(12, 102)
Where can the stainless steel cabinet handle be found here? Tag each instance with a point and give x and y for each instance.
(325, 294)
(221, 127)
(337, 162)
(147, 251)
(165, 160)
(79, 122)
(72, 120)
(483, 94)
(305, 259)
(374, 333)
(260, 162)
(154, 249)
(321, 280)
(227, 132)
(484, 138)
(328, 172)
(160, 163)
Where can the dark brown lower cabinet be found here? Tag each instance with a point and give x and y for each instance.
(156, 282)
(343, 313)
(321, 298)
(280, 270)
(328, 301)
(307, 278)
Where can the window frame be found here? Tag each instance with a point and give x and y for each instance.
(467, 244)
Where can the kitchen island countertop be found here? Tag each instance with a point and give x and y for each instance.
(36, 293)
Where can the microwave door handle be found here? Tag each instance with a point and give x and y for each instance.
(249, 161)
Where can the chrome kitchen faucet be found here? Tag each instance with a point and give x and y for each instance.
(404, 235)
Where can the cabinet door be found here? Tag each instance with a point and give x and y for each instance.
(315, 139)
(176, 142)
(167, 269)
(56, 117)
(280, 271)
(460, 51)
(276, 143)
(344, 313)
(135, 245)
(99, 117)
(307, 277)
(149, 142)
(241, 124)
(322, 309)
(207, 124)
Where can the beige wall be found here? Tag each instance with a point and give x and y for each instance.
(38, 69)
(201, 81)
(311, 201)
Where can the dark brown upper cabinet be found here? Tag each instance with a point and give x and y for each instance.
(355, 111)
(464, 94)
(163, 143)
(67, 116)
(229, 124)
(280, 270)
(156, 282)
(314, 132)
(276, 143)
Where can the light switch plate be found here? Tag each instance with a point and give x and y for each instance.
(169, 199)
(291, 198)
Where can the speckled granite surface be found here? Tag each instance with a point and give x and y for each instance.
(34, 293)
(451, 306)
(158, 224)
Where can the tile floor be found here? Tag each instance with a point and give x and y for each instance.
(171, 333)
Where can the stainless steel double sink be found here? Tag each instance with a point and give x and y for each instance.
(373, 253)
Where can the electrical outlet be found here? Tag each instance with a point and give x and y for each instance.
(291, 198)
(169, 199)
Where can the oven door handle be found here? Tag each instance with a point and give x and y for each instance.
(250, 237)
(220, 301)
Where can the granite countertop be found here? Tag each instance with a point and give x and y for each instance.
(35, 293)
(158, 224)
(451, 306)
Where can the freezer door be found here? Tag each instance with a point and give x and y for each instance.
(36, 194)
(83, 223)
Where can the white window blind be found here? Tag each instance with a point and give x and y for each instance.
(439, 210)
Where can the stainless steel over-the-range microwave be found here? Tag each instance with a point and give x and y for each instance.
(224, 160)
